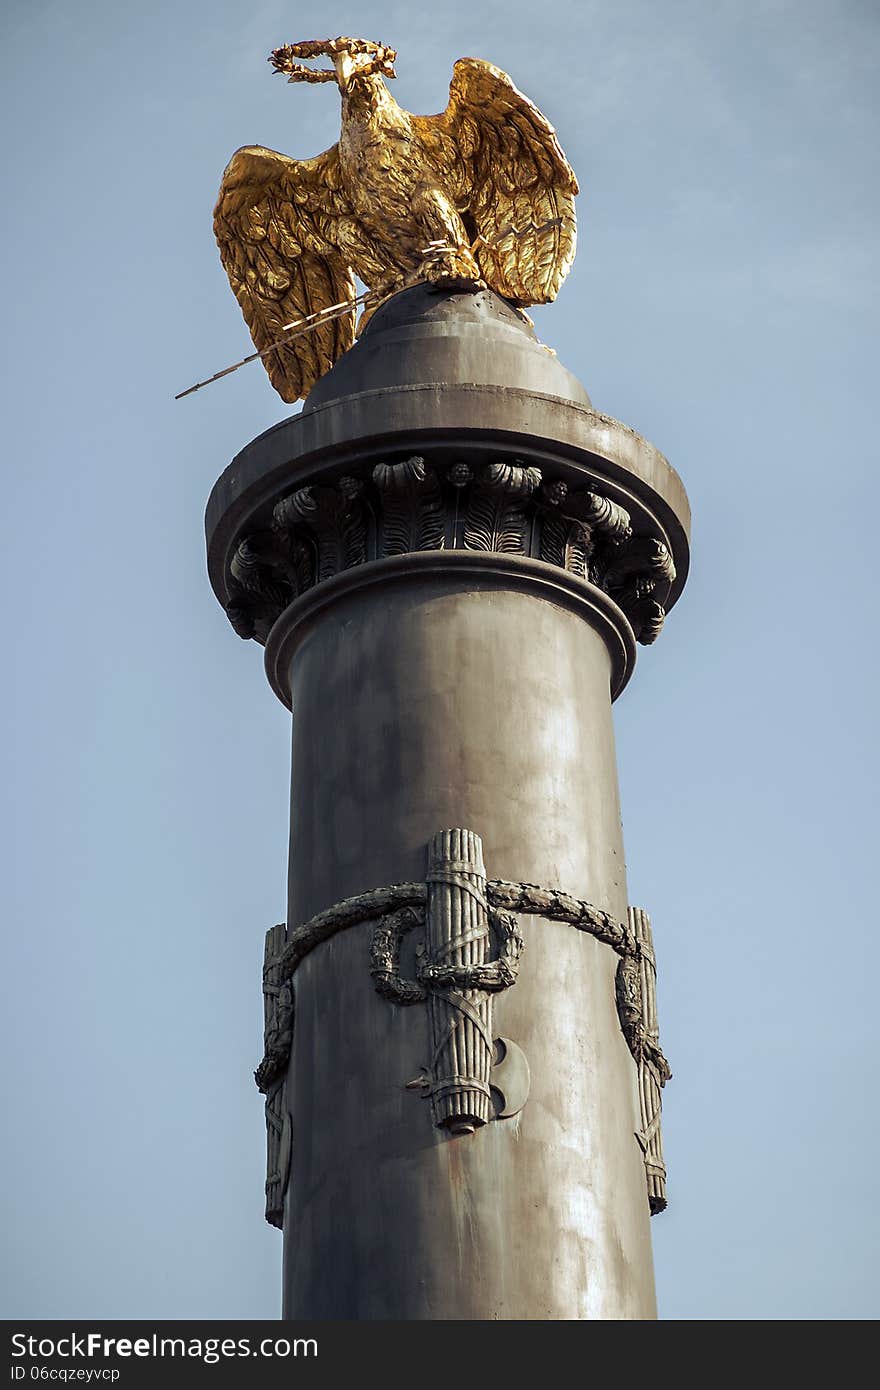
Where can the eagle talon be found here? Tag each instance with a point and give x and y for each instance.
(438, 283)
(451, 268)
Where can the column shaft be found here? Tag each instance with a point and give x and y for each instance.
(417, 707)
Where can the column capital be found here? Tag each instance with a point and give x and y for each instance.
(448, 469)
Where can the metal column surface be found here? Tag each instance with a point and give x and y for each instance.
(441, 680)
(421, 705)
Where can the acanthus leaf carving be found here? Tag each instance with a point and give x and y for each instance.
(243, 616)
(646, 617)
(413, 514)
(497, 518)
(601, 514)
(565, 540)
(643, 558)
(334, 516)
(321, 529)
(264, 579)
(596, 512)
(258, 569)
(639, 579)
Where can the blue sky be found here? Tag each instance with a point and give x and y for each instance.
(724, 304)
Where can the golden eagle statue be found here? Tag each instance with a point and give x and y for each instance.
(479, 195)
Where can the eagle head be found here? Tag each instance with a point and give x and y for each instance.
(351, 58)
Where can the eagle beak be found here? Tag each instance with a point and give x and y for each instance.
(345, 69)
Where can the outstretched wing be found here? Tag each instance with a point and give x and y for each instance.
(508, 171)
(275, 223)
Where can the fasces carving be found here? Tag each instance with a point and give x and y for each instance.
(637, 982)
(272, 1074)
(455, 976)
(391, 927)
(456, 937)
(471, 950)
(414, 505)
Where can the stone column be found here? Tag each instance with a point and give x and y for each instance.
(450, 556)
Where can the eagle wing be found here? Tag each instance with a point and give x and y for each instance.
(275, 224)
(507, 170)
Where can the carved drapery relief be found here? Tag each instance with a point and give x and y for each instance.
(470, 951)
(413, 505)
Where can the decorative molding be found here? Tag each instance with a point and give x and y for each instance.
(461, 570)
(462, 912)
(460, 474)
(410, 506)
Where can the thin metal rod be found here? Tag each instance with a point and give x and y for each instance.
(292, 330)
(298, 327)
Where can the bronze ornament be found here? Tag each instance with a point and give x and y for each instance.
(480, 195)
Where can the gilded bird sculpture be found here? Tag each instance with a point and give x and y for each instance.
(480, 195)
